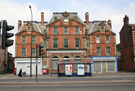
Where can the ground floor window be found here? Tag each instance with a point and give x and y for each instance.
(77, 59)
(55, 62)
(103, 66)
(66, 59)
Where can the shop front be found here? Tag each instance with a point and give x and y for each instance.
(104, 64)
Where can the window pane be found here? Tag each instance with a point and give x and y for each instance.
(33, 40)
(97, 66)
(65, 30)
(28, 29)
(86, 31)
(23, 52)
(55, 62)
(88, 43)
(77, 43)
(55, 43)
(65, 19)
(44, 43)
(33, 52)
(103, 66)
(23, 39)
(66, 59)
(55, 30)
(107, 39)
(76, 30)
(98, 51)
(102, 28)
(108, 51)
(111, 66)
(97, 39)
(65, 43)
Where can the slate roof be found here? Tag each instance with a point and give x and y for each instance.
(58, 16)
(95, 26)
(36, 27)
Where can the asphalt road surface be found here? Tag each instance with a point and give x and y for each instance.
(78, 87)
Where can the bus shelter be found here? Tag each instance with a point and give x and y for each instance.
(74, 69)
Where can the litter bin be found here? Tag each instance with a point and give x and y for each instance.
(44, 71)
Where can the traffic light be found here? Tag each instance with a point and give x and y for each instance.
(41, 50)
(5, 35)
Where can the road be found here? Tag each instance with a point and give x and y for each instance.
(75, 87)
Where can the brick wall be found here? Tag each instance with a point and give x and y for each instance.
(103, 44)
(19, 44)
(127, 41)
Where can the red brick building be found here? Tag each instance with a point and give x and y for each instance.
(102, 45)
(127, 45)
(67, 39)
(29, 34)
(66, 42)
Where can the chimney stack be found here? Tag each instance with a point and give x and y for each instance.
(19, 24)
(126, 20)
(42, 18)
(87, 17)
(109, 23)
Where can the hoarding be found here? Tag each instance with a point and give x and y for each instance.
(68, 69)
(80, 69)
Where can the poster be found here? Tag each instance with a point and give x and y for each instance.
(68, 69)
(80, 69)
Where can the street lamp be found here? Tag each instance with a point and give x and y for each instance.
(31, 42)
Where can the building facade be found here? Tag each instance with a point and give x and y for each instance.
(127, 45)
(29, 35)
(67, 39)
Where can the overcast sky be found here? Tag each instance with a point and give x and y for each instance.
(14, 10)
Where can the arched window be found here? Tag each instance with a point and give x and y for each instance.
(66, 59)
(55, 62)
(77, 59)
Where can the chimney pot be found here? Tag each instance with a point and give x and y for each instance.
(110, 24)
(19, 24)
(42, 18)
(126, 20)
(87, 17)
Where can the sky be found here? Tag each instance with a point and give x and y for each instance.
(115, 10)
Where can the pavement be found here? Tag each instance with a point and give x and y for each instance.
(102, 78)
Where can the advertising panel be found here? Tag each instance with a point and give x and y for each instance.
(68, 69)
(80, 69)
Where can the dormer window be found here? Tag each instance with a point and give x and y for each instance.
(86, 31)
(102, 28)
(75, 18)
(28, 29)
(55, 18)
(65, 19)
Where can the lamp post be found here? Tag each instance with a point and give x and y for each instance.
(31, 42)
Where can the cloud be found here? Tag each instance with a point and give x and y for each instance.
(102, 11)
(12, 12)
